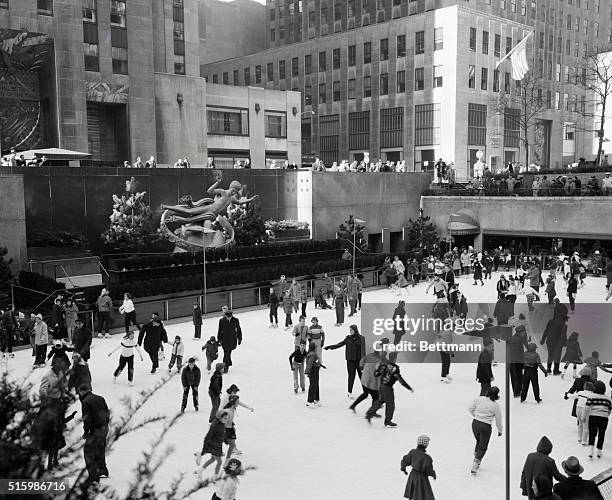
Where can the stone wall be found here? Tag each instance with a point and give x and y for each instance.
(12, 219)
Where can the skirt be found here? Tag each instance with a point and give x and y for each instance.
(230, 433)
(418, 487)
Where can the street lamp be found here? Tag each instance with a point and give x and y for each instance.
(355, 222)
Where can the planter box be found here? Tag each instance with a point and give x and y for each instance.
(292, 234)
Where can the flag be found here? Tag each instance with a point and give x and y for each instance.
(520, 66)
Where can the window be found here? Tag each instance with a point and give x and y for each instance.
(384, 49)
(324, 15)
(272, 14)
(473, 39)
(477, 124)
(569, 131)
(336, 58)
(548, 99)
(471, 76)
(329, 132)
(391, 127)
(419, 78)
(236, 77)
(497, 46)
(179, 64)
(401, 46)
(359, 130)
(311, 18)
(419, 42)
(367, 86)
(215, 78)
(484, 77)
(270, 71)
(427, 118)
(437, 77)
(351, 8)
(507, 82)
(322, 64)
(225, 78)
(508, 44)
(367, 52)
(258, 74)
(227, 121)
(568, 24)
(384, 84)
(307, 95)
(4, 4)
(120, 60)
(568, 47)
(281, 69)
(336, 91)
(337, 11)
(272, 35)
(322, 93)
(438, 38)
(308, 64)
(90, 14)
(117, 13)
(351, 88)
(247, 76)
(565, 102)
(542, 40)
(295, 66)
(276, 124)
(557, 100)
(566, 74)
(352, 55)
(485, 42)
(512, 133)
(558, 72)
(90, 51)
(45, 7)
(401, 81)
(495, 80)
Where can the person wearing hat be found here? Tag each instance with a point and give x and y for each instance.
(484, 410)
(389, 373)
(228, 486)
(417, 486)
(79, 373)
(190, 378)
(531, 363)
(574, 486)
(229, 335)
(214, 390)
(538, 463)
(58, 351)
(81, 339)
(517, 344)
(597, 263)
(105, 306)
(151, 337)
(339, 296)
(41, 339)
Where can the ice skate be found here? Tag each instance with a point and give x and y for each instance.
(131, 383)
(390, 424)
(475, 466)
(100, 336)
(198, 458)
(591, 452)
(114, 380)
(107, 336)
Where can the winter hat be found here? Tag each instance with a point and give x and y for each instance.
(314, 319)
(219, 367)
(232, 388)
(39, 316)
(178, 337)
(532, 347)
(544, 446)
(572, 466)
(191, 360)
(586, 372)
(233, 467)
(423, 440)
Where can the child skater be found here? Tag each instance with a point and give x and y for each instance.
(418, 487)
(228, 485)
(127, 346)
(296, 362)
(572, 355)
(593, 363)
(213, 443)
(212, 351)
(178, 348)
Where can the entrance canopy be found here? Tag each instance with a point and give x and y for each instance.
(462, 222)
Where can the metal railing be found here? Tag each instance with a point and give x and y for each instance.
(603, 481)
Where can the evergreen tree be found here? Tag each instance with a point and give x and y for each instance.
(422, 233)
(249, 226)
(6, 275)
(345, 232)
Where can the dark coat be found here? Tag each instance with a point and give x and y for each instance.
(477, 270)
(517, 344)
(81, 339)
(229, 333)
(355, 347)
(576, 488)
(153, 334)
(191, 376)
(216, 383)
(555, 334)
(96, 414)
(197, 316)
(484, 372)
(539, 463)
(79, 374)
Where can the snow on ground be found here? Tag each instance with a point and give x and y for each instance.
(331, 453)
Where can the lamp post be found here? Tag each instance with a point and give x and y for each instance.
(204, 282)
(355, 222)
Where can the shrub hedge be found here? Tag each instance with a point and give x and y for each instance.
(38, 282)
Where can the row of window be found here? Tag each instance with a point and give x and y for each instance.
(485, 42)
(119, 42)
(44, 7)
(233, 121)
(178, 17)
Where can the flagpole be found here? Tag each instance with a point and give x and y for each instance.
(509, 54)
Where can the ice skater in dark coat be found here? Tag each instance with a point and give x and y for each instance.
(555, 336)
(539, 463)
(354, 345)
(96, 417)
(151, 337)
(190, 379)
(418, 487)
(229, 335)
(81, 339)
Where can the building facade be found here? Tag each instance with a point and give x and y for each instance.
(417, 80)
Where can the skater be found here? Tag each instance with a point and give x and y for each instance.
(129, 312)
(288, 309)
(296, 363)
(353, 288)
(484, 409)
(532, 296)
(294, 292)
(303, 298)
(573, 354)
(329, 285)
(128, 345)
(550, 290)
(81, 339)
(596, 415)
(212, 351)
(57, 319)
(555, 337)
(339, 303)
(230, 403)
(58, 351)
(517, 344)
(539, 463)
(300, 332)
(41, 339)
(354, 344)
(316, 336)
(79, 374)
(593, 363)
(229, 335)
(441, 311)
(273, 306)
(574, 486)
(313, 365)
(197, 322)
(484, 371)
(178, 349)
(502, 287)
(320, 299)
(389, 373)
(531, 363)
(105, 306)
(401, 286)
(153, 335)
(228, 485)
(487, 263)
(214, 390)
(572, 290)
(213, 442)
(478, 272)
(370, 383)
(580, 400)
(96, 417)
(8, 327)
(71, 313)
(418, 487)
(190, 378)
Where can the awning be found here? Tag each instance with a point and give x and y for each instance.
(463, 221)
(54, 154)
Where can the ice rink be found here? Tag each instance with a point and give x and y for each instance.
(331, 453)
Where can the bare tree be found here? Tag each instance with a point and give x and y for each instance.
(594, 76)
(527, 100)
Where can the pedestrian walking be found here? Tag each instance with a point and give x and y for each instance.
(129, 312)
(190, 378)
(214, 390)
(176, 354)
(151, 337)
(105, 305)
(296, 362)
(354, 344)
(96, 417)
(389, 373)
(197, 322)
(8, 328)
(539, 463)
(211, 349)
(303, 298)
(128, 345)
(313, 365)
(273, 302)
(229, 335)
(531, 363)
(484, 409)
(417, 486)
